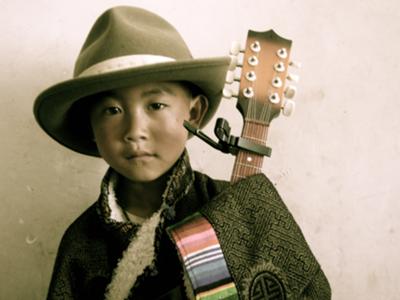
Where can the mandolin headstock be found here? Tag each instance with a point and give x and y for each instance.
(261, 69)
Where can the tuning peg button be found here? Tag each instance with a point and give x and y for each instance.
(240, 61)
(231, 77)
(290, 92)
(236, 48)
(293, 77)
(236, 61)
(288, 108)
(229, 93)
(233, 64)
(295, 64)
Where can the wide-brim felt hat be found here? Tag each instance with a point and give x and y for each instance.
(126, 46)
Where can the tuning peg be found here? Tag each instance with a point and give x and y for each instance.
(293, 77)
(288, 108)
(295, 64)
(231, 77)
(282, 53)
(255, 47)
(274, 98)
(236, 48)
(236, 61)
(240, 61)
(290, 92)
(229, 93)
(252, 61)
(279, 67)
(233, 63)
(277, 82)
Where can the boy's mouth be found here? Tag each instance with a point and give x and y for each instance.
(139, 155)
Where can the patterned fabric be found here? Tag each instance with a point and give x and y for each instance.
(203, 259)
(265, 249)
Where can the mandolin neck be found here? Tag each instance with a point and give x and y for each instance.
(248, 163)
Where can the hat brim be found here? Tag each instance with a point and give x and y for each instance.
(52, 105)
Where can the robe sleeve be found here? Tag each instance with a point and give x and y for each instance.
(318, 288)
(63, 280)
(265, 250)
(81, 269)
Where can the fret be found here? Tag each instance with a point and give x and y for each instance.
(247, 171)
(248, 163)
(248, 166)
(250, 159)
(236, 177)
(260, 141)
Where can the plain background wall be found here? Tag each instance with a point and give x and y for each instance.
(335, 162)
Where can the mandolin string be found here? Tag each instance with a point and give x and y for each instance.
(253, 130)
(265, 114)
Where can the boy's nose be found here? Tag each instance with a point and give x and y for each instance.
(135, 127)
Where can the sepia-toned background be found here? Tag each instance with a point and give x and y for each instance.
(335, 162)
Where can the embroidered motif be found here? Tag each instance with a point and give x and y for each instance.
(267, 286)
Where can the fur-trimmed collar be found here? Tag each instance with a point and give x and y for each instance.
(142, 239)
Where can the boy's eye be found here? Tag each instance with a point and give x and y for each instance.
(112, 110)
(156, 106)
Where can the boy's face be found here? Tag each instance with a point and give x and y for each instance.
(139, 130)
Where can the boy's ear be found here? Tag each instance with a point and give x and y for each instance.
(198, 109)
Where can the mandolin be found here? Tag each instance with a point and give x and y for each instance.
(259, 72)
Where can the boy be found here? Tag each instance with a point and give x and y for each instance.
(134, 84)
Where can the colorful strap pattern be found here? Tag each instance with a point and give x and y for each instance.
(202, 258)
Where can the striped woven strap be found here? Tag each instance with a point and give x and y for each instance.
(202, 259)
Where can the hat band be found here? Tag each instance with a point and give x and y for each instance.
(124, 62)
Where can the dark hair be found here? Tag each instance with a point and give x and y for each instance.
(79, 120)
(192, 89)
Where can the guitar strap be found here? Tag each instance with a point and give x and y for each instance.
(202, 259)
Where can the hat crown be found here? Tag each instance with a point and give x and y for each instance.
(123, 31)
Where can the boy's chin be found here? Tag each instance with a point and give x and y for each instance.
(146, 177)
(149, 170)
